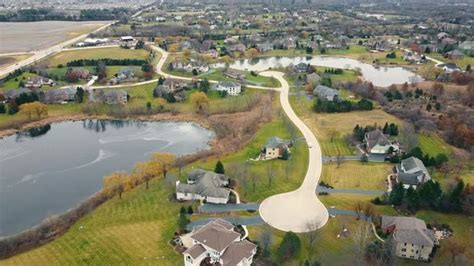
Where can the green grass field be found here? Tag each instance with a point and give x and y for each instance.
(357, 175)
(433, 144)
(99, 53)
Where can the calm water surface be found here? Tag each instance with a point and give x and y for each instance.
(51, 169)
(381, 76)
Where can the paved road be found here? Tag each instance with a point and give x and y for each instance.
(351, 191)
(215, 208)
(251, 220)
(47, 52)
(299, 210)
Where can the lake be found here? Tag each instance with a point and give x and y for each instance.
(50, 169)
(380, 76)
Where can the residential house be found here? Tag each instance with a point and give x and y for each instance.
(467, 47)
(127, 41)
(264, 47)
(455, 55)
(234, 74)
(111, 96)
(204, 185)
(413, 239)
(301, 67)
(217, 243)
(60, 95)
(313, 78)
(326, 93)
(412, 57)
(189, 66)
(230, 87)
(411, 172)
(449, 67)
(125, 74)
(37, 82)
(274, 148)
(231, 40)
(238, 48)
(377, 143)
(171, 87)
(290, 43)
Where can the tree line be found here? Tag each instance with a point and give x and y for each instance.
(107, 61)
(42, 14)
(325, 106)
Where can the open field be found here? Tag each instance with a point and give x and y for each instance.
(356, 175)
(32, 36)
(8, 60)
(99, 53)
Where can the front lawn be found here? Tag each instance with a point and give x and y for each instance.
(357, 175)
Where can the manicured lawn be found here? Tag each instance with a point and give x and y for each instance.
(99, 53)
(433, 144)
(328, 249)
(134, 230)
(14, 83)
(356, 175)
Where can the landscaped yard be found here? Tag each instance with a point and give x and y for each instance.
(433, 144)
(328, 249)
(357, 175)
(99, 53)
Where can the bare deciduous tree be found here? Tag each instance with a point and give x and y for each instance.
(270, 172)
(361, 238)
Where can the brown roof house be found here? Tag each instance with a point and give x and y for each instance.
(217, 243)
(377, 143)
(413, 239)
(204, 185)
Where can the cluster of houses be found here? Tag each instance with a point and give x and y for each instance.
(189, 66)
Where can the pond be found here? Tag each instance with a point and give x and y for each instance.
(50, 169)
(379, 76)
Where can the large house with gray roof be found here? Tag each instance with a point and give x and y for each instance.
(230, 87)
(204, 185)
(217, 243)
(326, 93)
(411, 172)
(413, 239)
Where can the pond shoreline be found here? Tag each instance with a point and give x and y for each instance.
(162, 117)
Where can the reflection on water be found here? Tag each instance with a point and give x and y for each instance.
(378, 75)
(50, 169)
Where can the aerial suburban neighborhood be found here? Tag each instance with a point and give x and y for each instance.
(240, 132)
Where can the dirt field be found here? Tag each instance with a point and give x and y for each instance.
(31, 36)
(12, 59)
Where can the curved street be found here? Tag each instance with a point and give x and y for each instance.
(299, 210)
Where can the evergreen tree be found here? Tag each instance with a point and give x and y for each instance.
(413, 198)
(190, 209)
(290, 245)
(219, 169)
(286, 155)
(385, 129)
(182, 221)
(396, 196)
(2, 108)
(455, 198)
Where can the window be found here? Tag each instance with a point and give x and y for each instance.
(417, 252)
(404, 249)
(405, 244)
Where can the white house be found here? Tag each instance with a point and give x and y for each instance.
(204, 185)
(412, 172)
(232, 88)
(218, 244)
(414, 240)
